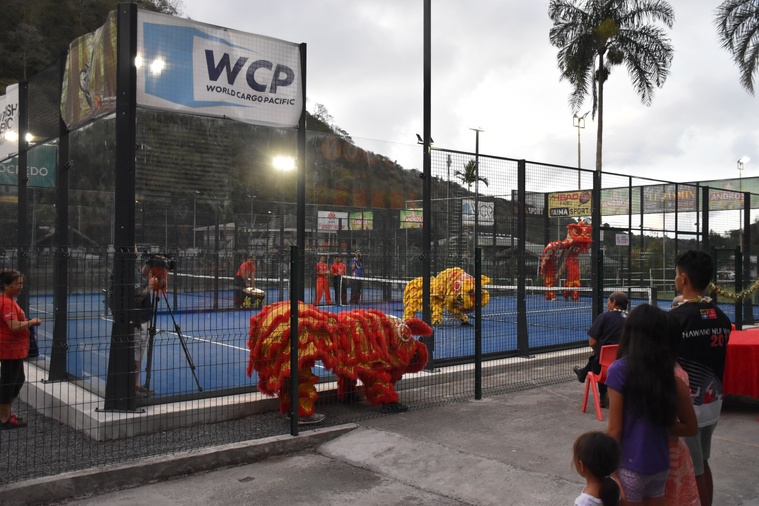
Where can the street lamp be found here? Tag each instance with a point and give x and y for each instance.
(579, 122)
(282, 164)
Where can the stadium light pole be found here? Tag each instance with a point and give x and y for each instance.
(579, 122)
(282, 164)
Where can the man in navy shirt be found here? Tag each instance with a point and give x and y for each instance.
(606, 329)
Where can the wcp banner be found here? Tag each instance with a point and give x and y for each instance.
(195, 68)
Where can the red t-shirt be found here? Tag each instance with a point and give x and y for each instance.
(338, 269)
(13, 345)
(247, 270)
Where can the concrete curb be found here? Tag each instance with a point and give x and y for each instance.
(80, 484)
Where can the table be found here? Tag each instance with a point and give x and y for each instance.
(741, 375)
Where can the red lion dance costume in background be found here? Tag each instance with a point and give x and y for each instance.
(365, 345)
(452, 289)
(565, 254)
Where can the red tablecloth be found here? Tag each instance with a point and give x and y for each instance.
(742, 364)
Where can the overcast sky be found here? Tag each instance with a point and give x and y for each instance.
(494, 68)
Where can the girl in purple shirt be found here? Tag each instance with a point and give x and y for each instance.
(644, 407)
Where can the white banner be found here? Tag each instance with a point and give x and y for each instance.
(9, 122)
(192, 67)
(485, 217)
(331, 220)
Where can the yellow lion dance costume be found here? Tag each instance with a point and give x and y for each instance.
(365, 345)
(452, 289)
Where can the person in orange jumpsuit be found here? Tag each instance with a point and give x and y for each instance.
(322, 284)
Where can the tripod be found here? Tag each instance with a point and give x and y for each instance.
(158, 294)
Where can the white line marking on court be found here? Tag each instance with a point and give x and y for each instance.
(209, 341)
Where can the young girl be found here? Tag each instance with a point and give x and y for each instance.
(596, 457)
(643, 405)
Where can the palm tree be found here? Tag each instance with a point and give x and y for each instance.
(594, 35)
(469, 175)
(738, 30)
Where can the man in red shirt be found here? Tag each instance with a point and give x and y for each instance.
(245, 278)
(322, 285)
(338, 270)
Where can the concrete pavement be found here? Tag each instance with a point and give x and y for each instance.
(513, 448)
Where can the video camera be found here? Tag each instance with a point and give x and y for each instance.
(160, 261)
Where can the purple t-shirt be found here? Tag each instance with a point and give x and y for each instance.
(644, 444)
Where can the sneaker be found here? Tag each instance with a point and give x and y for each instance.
(12, 423)
(580, 372)
(604, 401)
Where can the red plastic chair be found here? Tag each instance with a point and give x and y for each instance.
(607, 357)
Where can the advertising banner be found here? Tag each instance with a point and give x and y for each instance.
(332, 221)
(485, 217)
(89, 79)
(361, 221)
(195, 68)
(572, 204)
(40, 167)
(412, 218)
(9, 122)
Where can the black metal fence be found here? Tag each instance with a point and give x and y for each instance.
(206, 196)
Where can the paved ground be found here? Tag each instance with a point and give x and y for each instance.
(509, 449)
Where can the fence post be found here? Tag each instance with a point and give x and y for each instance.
(748, 308)
(294, 339)
(58, 371)
(523, 341)
(120, 385)
(478, 323)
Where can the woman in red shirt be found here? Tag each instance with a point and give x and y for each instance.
(14, 347)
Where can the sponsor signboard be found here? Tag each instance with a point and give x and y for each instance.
(485, 217)
(9, 122)
(572, 204)
(412, 218)
(40, 167)
(332, 221)
(361, 221)
(192, 67)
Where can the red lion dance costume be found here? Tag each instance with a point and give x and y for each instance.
(452, 289)
(565, 254)
(365, 345)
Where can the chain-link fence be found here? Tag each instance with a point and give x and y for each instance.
(207, 196)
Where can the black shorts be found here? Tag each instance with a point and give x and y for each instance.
(11, 379)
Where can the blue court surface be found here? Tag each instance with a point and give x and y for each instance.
(216, 339)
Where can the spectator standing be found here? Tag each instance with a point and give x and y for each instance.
(338, 270)
(14, 347)
(595, 458)
(645, 406)
(357, 271)
(705, 334)
(322, 282)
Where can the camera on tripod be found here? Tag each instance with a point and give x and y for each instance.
(160, 265)
(162, 261)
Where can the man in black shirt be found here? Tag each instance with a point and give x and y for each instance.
(606, 329)
(702, 353)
